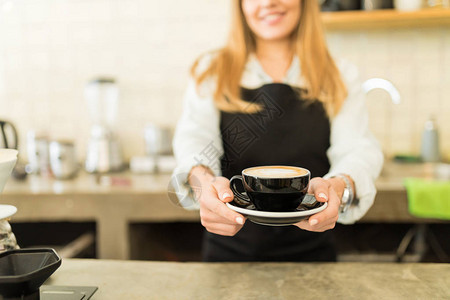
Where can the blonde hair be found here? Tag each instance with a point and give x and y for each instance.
(319, 72)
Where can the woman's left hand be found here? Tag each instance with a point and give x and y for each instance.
(326, 219)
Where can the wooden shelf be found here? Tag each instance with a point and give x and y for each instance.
(386, 18)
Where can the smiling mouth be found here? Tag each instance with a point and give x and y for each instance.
(272, 18)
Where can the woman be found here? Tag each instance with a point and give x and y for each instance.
(309, 112)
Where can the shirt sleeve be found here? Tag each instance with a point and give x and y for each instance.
(354, 150)
(197, 141)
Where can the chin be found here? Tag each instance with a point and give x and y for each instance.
(273, 36)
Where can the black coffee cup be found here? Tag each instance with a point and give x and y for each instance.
(272, 188)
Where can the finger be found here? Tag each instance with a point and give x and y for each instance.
(330, 213)
(320, 188)
(326, 227)
(223, 229)
(210, 217)
(304, 224)
(222, 186)
(211, 202)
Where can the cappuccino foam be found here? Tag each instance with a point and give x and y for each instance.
(275, 172)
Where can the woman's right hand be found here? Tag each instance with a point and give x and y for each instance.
(212, 193)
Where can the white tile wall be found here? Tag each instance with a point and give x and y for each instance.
(417, 61)
(49, 49)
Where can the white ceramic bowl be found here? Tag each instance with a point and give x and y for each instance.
(8, 158)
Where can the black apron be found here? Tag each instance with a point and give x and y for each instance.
(288, 131)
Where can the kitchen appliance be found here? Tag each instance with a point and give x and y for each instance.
(329, 5)
(158, 140)
(335, 5)
(158, 144)
(32, 153)
(7, 238)
(9, 139)
(430, 142)
(38, 153)
(63, 160)
(8, 158)
(104, 153)
(376, 4)
(350, 4)
(8, 135)
(22, 273)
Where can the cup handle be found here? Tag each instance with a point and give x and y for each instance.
(238, 197)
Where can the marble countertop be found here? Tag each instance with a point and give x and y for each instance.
(85, 183)
(391, 179)
(166, 280)
(118, 200)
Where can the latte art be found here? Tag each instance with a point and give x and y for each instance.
(275, 172)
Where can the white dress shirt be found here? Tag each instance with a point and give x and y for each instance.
(353, 149)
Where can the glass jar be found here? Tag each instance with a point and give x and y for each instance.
(7, 238)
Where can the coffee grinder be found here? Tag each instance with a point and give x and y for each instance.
(23, 271)
(104, 153)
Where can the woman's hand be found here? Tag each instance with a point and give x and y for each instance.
(325, 191)
(212, 193)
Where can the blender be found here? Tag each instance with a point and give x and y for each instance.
(104, 153)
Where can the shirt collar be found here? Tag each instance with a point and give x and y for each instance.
(254, 75)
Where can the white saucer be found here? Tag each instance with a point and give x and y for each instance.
(7, 211)
(279, 218)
